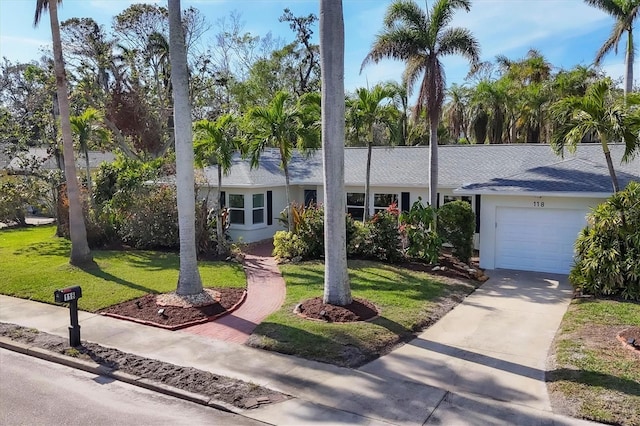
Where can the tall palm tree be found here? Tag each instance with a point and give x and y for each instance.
(215, 143)
(189, 281)
(601, 112)
(286, 126)
(86, 127)
(336, 278)
(80, 252)
(421, 39)
(625, 13)
(370, 108)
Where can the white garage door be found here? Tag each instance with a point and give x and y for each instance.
(537, 239)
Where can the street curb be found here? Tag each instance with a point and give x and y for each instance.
(95, 368)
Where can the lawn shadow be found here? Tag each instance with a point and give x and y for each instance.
(95, 270)
(57, 249)
(592, 378)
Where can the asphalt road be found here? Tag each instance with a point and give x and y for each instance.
(37, 392)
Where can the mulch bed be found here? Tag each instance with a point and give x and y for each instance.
(358, 310)
(631, 338)
(145, 310)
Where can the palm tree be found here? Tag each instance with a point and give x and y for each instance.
(336, 278)
(625, 13)
(455, 111)
(80, 252)
(421, 39)
(86, 127)
(369, 108)
(400, 129)
(189, 281)
(285, 126)
(601, 112)
(215, 143)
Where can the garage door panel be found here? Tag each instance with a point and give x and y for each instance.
(537, 239)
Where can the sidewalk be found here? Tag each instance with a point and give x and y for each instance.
(483, 363)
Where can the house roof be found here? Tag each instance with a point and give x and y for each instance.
(472, 168)
(48, 161)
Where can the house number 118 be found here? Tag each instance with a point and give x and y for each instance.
(538, 204)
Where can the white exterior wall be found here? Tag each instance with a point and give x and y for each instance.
(490, 204)
(250, 232)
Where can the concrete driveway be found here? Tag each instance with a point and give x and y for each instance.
(493, 345)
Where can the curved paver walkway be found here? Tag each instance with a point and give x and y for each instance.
(265, 295)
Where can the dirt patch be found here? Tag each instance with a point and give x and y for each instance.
(449, 266)
(157, 310)
(358, 310)
(231, 391)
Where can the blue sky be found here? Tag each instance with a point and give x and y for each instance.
(567, 32)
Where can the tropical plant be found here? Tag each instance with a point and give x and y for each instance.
(215, 143)
(337, 290)
(608, 249)
(189, 281)
(368, 108)
(625, 12)
(421, 238)
(421, 39)
(286, 126)
(599, 111)
(86, 127)
(80, 252)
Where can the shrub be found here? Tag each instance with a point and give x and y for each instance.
(608, 249)
(456, 226)
(287, 245)
(15, 196)
(151, 221)
(421, 241)
(383, 240)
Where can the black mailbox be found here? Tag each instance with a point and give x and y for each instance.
(71, 295)
(67, 294)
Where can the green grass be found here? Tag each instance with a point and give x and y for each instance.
(594, 373)
(33, 263)
(406, 300)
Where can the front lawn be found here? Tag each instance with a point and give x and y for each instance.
(592, 375)
(33, 263)
(407, 300)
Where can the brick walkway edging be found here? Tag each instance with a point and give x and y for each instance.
(265, 294)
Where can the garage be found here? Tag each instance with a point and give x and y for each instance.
(536, 239)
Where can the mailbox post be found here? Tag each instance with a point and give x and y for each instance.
(71, 295)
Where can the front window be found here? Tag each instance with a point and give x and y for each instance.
(258, 208)
(236, 209)
(355, 205)
(382, 201)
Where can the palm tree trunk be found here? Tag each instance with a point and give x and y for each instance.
(80, 253)
(433, 160)
(86, 163)
(286, 188)
(607, 156)
(336, 278)
(189, 281)
(220, 237)
(365, 216)
(628, 76)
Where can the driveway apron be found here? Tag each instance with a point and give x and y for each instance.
(493, 345)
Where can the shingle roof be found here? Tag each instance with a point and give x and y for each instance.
(48, 162)
(517, 167)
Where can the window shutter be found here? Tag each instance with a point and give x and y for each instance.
(222, 200)
(269, 207)
(477, 213)
(405, 200)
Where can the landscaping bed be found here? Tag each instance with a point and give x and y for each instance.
(592, 373)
